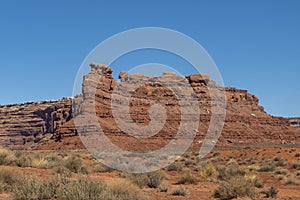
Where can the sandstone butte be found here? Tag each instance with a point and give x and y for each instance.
(50, 124)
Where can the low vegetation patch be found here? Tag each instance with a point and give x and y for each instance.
(187, 178)
(235, 187)
(151, 179)
(271, 192)
(180, 191)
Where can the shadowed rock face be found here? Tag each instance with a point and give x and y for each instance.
(295, 122)
(49, 125)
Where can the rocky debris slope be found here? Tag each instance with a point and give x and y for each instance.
(246, 122)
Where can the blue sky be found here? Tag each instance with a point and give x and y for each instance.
(255, 44)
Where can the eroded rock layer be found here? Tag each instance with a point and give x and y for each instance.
(49, 125)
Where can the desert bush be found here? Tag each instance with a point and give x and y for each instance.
(39, 162)
(155, 179)
(297, 155)
(82, 188)
(58, 187)
(280, 178)
(187, 178)
(279, 161)
(2, 187)
(254, 180)
(24, 161)
(64, 188)
(267, 168)
(189, 163)
(73, 164)
(291, 181)
(164, 187)
(31, 188)
(236, 186)
(8, 177)
(61, 170)
(174, 167)
(271, 192)
(281, 172)
(298, 173)
(180, 191)
(208, 172)
(151, 179)
(295, 165)
(230, 170)
(123, 190)
(250, 161)
(7, 157)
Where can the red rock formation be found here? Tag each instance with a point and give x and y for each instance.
(246, 123)
(21, 125)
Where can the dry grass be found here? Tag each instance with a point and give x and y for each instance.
(236, 187)
(180, 191)
(151, 179)
(122, 189)
(188, 178)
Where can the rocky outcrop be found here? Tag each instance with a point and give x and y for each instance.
(295, 122)
(22, 125)
(246, 122)
(49, 125)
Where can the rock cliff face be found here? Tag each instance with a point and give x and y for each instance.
(49, 125)
(21, 125)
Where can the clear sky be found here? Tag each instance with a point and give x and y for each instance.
(255, 44)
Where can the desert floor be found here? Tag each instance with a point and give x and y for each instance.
(242, 173)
